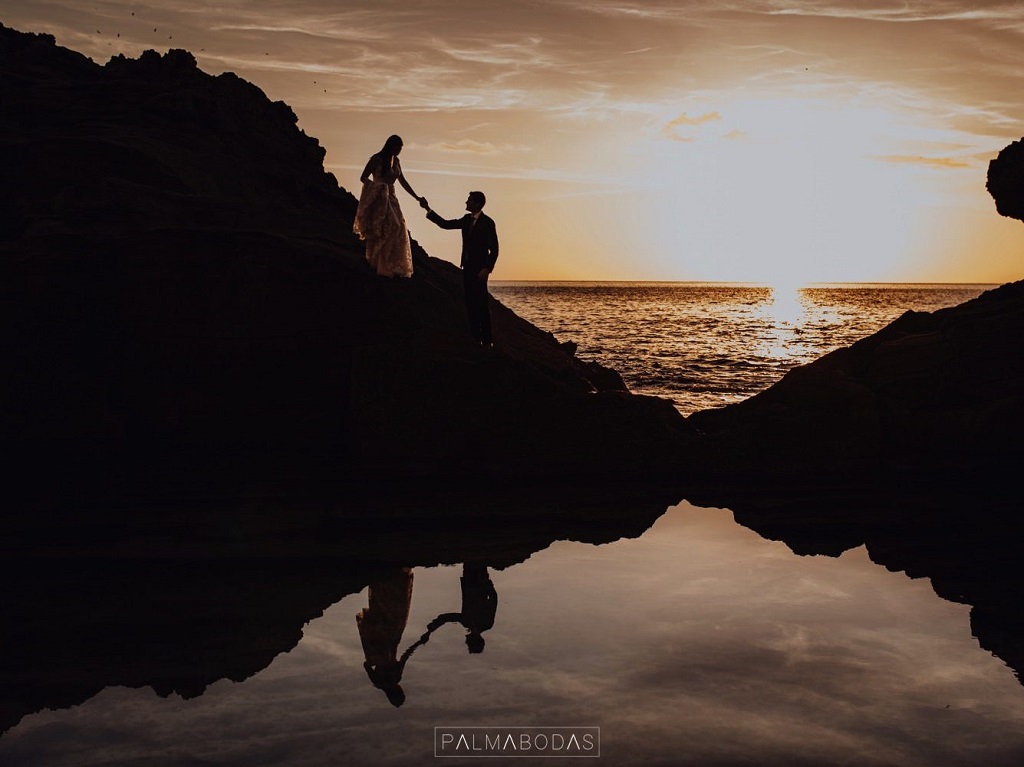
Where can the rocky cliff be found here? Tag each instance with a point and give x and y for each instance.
(1006, 180)
(183, 296)
(932, 394)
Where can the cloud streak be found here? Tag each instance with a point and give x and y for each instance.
(671, 130)
(944, 163)
(905, 12)
(469, 146)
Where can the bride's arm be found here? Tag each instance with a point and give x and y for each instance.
(405, 185)
(370, 164)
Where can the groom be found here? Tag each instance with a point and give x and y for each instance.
(479, 252)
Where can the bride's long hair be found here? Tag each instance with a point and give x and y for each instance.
(390, 150)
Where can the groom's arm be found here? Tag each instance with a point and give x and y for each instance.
(444, 223)
(442, 619)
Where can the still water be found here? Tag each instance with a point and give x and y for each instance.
(696, 643)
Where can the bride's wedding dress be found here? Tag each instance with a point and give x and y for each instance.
(380, 222)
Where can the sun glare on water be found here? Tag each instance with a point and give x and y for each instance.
(786, 307)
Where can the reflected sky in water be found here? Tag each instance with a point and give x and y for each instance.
(698, 643)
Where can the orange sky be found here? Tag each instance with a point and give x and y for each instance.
(779, 142)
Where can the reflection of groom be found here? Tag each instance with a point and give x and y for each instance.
(479, 252)
(479, 605)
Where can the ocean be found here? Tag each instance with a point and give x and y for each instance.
(704, 345)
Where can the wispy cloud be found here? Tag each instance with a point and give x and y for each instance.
(944, 163)
(527, 52)
(902, 12)
(469, 146)
(316, 28)
(625, 10)
(590, 184)
(671, 129)
(685, 119)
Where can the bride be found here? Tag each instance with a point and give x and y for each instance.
(379, 219)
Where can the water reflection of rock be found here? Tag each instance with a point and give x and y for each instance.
(968, 544)
(178, 598)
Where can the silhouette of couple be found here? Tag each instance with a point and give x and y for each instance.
(382, 623)
(379, 221)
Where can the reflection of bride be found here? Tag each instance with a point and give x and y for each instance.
(379, 219)
(381, 626)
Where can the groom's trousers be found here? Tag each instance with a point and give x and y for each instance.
(477, 306)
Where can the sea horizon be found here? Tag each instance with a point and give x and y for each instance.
(745, 283)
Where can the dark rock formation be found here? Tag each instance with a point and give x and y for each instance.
(184, 295)
(1006, 180)
(930, 394)
(186, 594)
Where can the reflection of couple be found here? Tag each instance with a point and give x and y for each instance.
(380, 222)
(383, 621)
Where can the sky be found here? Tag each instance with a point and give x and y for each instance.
(737, 140)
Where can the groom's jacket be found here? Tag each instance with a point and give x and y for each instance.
(479, 241)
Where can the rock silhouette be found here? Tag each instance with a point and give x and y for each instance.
(186, 298)
(1005, 174)
(937, 394)
(187, 594)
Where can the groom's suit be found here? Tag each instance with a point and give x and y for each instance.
(479, 240)
(479, 251)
